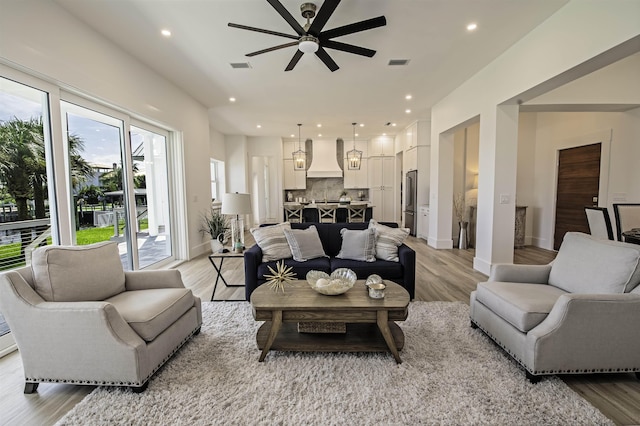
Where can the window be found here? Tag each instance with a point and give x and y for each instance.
(217, 180)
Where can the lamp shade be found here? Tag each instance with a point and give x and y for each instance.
(234, 203)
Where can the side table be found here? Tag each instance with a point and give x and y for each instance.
(218, 268)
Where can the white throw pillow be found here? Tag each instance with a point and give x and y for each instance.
(305, 244)
(272, 241)
(358, 245)
(388, 240)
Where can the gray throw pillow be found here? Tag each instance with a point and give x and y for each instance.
(358, 245)
(305, 244)
(388, 240)
(272, 241)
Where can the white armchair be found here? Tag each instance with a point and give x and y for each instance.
(78, 317)
(578, 315)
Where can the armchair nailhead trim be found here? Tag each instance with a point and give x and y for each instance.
(108, 383)
(551, 372)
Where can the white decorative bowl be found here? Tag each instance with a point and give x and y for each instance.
(340, 281)
(373, 279)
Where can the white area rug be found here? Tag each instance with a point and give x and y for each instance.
(451, 374)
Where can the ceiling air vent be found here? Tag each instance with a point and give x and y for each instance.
(400, 62)
(240, 65)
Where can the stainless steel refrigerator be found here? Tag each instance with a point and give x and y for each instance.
(410, 201)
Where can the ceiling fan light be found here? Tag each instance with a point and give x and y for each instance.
(308, 44)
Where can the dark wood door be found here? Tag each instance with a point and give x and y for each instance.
(578, 183)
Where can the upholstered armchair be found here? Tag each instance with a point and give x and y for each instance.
(579, 314)
(78, 317)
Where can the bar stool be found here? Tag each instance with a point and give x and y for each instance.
(327, 213)
(356, 213)
(293, 213)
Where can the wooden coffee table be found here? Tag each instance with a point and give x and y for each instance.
(370, 322)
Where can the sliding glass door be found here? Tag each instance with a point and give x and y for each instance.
(151, 188)
(25, 146)
(76, 172)
(120, 186)
(95, 144)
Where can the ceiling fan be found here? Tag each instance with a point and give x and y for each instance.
(311, 38)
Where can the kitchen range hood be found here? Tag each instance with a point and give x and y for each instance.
(324, 163)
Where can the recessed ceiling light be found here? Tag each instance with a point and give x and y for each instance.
(232, 99)
(319, 125)
(319, 135)
(384, 134)
(472, 26)
(408, 97)
(393, 124)
(361, 124)
(408, 111)
(166, 33)
(292, 135)
(357, 134)
(259, 126)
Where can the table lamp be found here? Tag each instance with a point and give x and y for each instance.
(236, 204)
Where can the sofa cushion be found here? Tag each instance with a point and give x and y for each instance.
(305, 244)
(96, 272)
(588, 265)
(150, 312)
(272, 241)
(358, 245)
(299, 268)
(388, 240)
(524, 306)
(387, 270)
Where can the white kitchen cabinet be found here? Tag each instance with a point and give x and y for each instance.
(383, 202)
(381, 171)
(410, 159)
(423, 222)
(357, 179)
(381, 177)
(381, 146)
(293, 179)
(411, 136)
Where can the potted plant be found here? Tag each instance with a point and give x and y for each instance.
(215, 224)
(344, 199)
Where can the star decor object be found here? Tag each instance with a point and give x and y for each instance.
(281, 276)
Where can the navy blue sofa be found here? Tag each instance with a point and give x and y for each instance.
(402, 272)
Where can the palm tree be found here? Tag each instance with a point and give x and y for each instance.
(23, 168)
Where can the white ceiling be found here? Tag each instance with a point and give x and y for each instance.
(430, 33)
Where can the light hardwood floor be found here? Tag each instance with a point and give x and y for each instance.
(440, 275)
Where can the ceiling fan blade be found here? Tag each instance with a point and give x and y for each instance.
(271, 49)
(287, 16)
(350, 48)
(323, 15)
(294, 60)
(261, 30)
(356, 27)
(324, 57)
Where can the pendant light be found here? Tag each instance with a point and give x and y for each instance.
(354, 157)
(299, 156)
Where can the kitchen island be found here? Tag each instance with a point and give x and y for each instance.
(310, 212)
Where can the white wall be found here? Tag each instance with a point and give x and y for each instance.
(539, 62)
(44, 40)
(526, 175)
(620, 134)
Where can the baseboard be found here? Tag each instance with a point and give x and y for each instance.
(482, 266)
(440, 244)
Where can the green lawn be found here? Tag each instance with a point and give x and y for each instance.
(10, 253)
